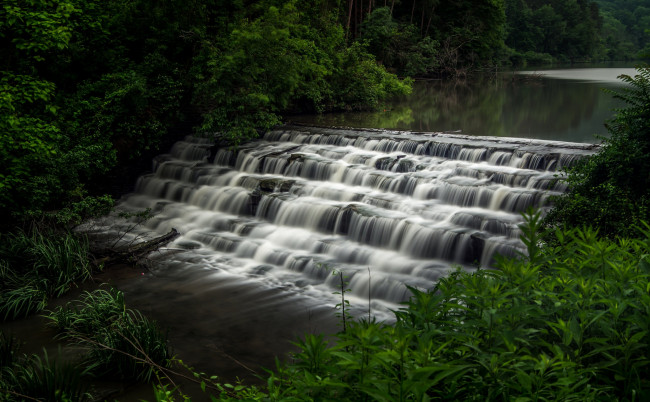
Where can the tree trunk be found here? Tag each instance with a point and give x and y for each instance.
(433, 9)
(412, 10)
(134, 253)
(347, 27)
(359, 19)
(422, 21)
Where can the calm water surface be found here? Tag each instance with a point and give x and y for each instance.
(558, 104)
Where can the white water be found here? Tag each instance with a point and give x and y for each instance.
(389, 209)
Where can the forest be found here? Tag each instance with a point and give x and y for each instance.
(90, 90)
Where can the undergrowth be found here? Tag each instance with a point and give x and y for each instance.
(37, 378)
(35, 267)
(120, 343)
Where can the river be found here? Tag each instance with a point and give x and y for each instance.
(565, 104)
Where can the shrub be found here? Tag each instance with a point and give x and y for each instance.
(611, 190)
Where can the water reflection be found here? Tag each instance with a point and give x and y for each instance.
(567, 106)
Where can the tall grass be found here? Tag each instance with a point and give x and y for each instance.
(35, 267)
(121, 343)
(34, 378)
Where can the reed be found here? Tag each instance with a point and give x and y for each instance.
(120, 342)
(37, 266)
(27, 378)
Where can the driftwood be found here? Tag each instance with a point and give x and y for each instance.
(134, 253)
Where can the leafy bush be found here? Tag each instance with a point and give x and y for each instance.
(282, 62)
(611, 190)
(121, 343)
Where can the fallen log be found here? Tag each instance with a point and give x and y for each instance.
(132, 254)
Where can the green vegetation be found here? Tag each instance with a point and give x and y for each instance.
(625, 28)
(90, 87)
(540, 32)
(35, 267)
(543, 31)
(32, 377)
(120, 343)
(611, 190)
(284, 61)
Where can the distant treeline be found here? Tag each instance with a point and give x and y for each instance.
(625, 30)
(454, 37)
(540, 31)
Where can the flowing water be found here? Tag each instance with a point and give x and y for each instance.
(387, 209)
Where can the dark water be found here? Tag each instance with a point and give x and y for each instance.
(560, 104)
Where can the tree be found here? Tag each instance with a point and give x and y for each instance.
(29, 138)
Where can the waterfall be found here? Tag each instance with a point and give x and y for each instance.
(389, 209)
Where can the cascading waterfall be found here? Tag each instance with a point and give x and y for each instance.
(389, 209)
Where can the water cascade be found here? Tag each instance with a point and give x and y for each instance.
(388, 209)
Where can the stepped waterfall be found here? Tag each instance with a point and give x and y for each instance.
(387, 209)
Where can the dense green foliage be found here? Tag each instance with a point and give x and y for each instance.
(626, 28)
(285, 62)
(542, 31)
(35, 267)
(564, 323)
(577, 30)
(421, 37)
(611, 190)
